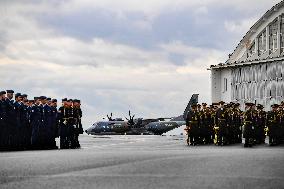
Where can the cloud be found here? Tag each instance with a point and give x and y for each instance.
(123, 77)
(239, 26)
(147, 56)
(155, 7)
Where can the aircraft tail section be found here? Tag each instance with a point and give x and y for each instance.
(193, 100)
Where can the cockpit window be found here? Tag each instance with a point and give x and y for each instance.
(102, 124)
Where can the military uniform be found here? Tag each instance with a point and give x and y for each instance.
(65, 122)
(11, 124)
(3, 123)
(47, 127)
(222, 121)
(281, 122)
(54, 125)
(272, 126)
(28, 124)
(77, 112)
(230, 125)
(192, 122)
(25, 127)
(236, 124)
(248, 127)
(207, 126)
(260, 121)
(72, 128)
(36, 122)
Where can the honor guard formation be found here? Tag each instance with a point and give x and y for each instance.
(34, 124)
(224, 124)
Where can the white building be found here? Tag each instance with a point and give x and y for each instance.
(254, 72)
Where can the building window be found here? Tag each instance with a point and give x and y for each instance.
(262, 42)
(251, 49)
(273, 31)
(225, 84)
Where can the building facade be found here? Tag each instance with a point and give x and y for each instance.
(254, 72)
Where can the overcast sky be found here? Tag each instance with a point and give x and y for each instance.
(149, 56)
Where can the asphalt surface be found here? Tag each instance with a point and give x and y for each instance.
(144, 162)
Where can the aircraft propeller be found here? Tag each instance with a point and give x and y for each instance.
(110, 117)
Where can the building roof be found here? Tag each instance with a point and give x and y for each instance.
(231, 62)
(243, 63)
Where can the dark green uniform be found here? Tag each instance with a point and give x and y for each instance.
(192, 126)
(236, 125)
(65, 125)
(248, 128)
(271, 122)
(207, 126)
(260, 126)
(78, 126)
(281, 124)
(221, 120)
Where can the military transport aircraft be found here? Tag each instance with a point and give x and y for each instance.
(139, 126)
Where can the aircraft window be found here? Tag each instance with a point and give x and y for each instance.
(102, 124)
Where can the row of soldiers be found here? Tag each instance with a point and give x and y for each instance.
(35, 124)
(226, 124)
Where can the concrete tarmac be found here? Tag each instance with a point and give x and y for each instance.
(144, 162)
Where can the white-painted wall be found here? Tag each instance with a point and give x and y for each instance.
(218, 91)
(226, 94)
(215, 85)
(261, 83)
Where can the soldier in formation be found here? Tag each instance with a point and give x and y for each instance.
(36, 123)
(225, 124)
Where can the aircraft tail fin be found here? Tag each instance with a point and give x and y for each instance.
(193, 100)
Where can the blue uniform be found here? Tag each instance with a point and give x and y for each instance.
(49, 126)
(54, 126)
(36, 122)
(11, 124)
(3, 125)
